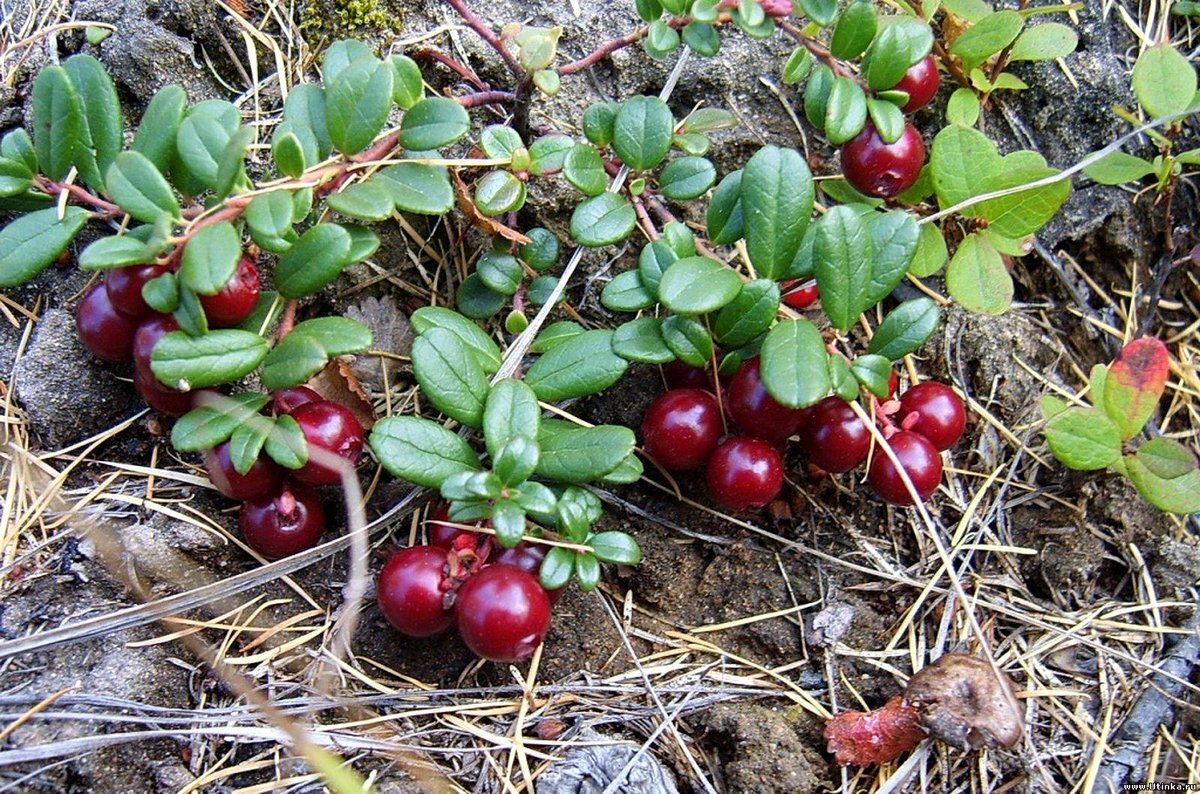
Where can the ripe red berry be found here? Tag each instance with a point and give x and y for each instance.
(893, 383)
(941, 416)
(528, 557)
(801, 294)
(745, 472)
(236, 299)
(260, 480)
(441, 534)
(682, 427)
(684, 376)
(409, 591)
(756, 411)
(102, 329)
(883, 169)
(919, 460)
(503, 613)
(920, 82)
(124, 287)
(157, 395)
(330, 427)
(148, 333)
(283, 524)
(285, 401)
(835, 439)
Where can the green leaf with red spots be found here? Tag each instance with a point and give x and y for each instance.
(1134, 383)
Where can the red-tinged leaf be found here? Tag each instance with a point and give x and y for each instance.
(1134, 383)
(861, 738)
(466, 204)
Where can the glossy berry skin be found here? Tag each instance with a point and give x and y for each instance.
(920, 461)
(236, 299)
(330, 427)
(283, 523)
(148, 333)
(409, 591)
(835, 439)
(745, 472)
(442, 535)
(682, 427)
(755, 411)
(920, 82)
(503, 613)
(528, 557)
(124, 287)
(883, 169)
(941, 413)
(158, 396)
(287, 400)
(261, 480)
(893, 383)
(684, 376)
(803, 295)
(102, 329)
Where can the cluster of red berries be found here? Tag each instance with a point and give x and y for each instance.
(462, 579)
(882, 169)
(280, 513)
(684, 429)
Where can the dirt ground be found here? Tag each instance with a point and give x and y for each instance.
(725, 647)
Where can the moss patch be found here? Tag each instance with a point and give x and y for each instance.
(329, 20)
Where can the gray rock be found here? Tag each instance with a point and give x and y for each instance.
(590, 769)
(66, 392)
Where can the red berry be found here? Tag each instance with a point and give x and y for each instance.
(287, 400)
(920, 82)
(148, 333)
(941, 415)
(745, 472)
(503, 613)
(755, 411)
(102, 329)
(124, 287)
(920, 461)
(883, 169)
(157, 395)
(835, 438)
(684, 376)
(236, 299)
(261, 479)
(801, 295)
(528, 557)
(283, 524)
(441, 534)
(410, 592)
(682, 427)
(332, 428)
(893, 383)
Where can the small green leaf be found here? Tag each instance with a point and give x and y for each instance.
(500, 272)
(584, 169)
(59, 126)
(231, 167)
(653, 261)
(626, 293)
(581, 454)
(340, 55)
(186, 362)
(748, 315)
(698, 285)
(432, 123)
(602, 220)
(777, 199)
(794, 364)
(557, 568)
(115, 252)
(1179, 494)
(500, 141)
(207, 426)
(688, 339)
(873, 372)
(511, 410)
(309, 346)
(555, 334)
(905, 329)
(161, 293)
(210, 258)
(1134, 383)
(963, 163)
(1023, 213)
(420, 451)
(1163, 81)
(842, 259)
(509, 522)
(724, 218)
(289, 152)
(450, 375)
(844, 384)
(584, 364)
(486, 352)
(895, 237)
(1116, 168)
(1083, 438)
(615, 547)
(247, 440)
(419, 188)
(305, 109)
(627, 472)
(816, 95)
(407, 84)
(598, 122)
(987, 37)
(189, 313)
(797, 66)
(315, 260)
(887, 118)
(641, 340)
(357, 103)
(101, 108)
(199, 143)
(931, 253)
(854, 30)
(702, 37)
(977, 277)
(549, 152)
(822, 12)
(156, 133)
(642, 132)
(369, 201)
(137, 186)
(499, 192)
(963, 107)
(541, 252)
(1044, 42)
(32, 242)
(477, 300)
(902, 41)
(687, 178)
(846, 111)
(1166, 458)
(516, 459)
(661, 38)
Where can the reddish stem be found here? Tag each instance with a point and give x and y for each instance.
(53, 188)
(288, 319)
(487, 34)
(609, 47)
(485, 98)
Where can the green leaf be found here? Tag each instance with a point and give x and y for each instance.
(500, 141)
(602, 220)
(1023, 213)
(511, 410)
(777, 199)
(963, 163)
(499, 192)
(369, 201)
(305, 351)
(854, 30)
(1163, 81)
(1044, 42)
(905, 329)
(210, 258)
(207, 426)
(420, 451)
(557, 568)
(794, 364)
(199, 143)
(797, 66)
(661, 39)
(822, 12)
(587, 572)
(432, 123)
(17, 146)
(477, 300)
(418, 188)
(231, 166)
(59, 126)
(627, 472)
(194, 362)
(598, 122)
(887, 119)
(305, 109)
(486, 352)
(509, 522)
(702, 38)
(963, 107)
(1083, 439)
(642, 132)
(1166, 458)
(653, 261)
(902, 41)
(516, 459)
(584, 364)
(931, 253)
(189, 313)
(1134, 383)
(340, 55)
(407, 84)
(450, 375)
(555, 334)
(698, 285)
(500, 272)
(32, 242)
(156, 133)
(987, 37)
(103, 136)
(315, 260)
(894, 240)
(247, 440)
(748, 315)
(970, 10)
(115, 252)
(687, 178)
(724, 218)
(549, 152)
(615, 547)
(1116, 168)
(977, 278)
(161, 293)
(357, 103)
(581, 454)
(1178, 494)
(842, 260)
(846, 111)
(816, 95)
(626, 293)
(541, 252)
(584, 169)
(137, 186)
(873, 372)
(289, 151)
(641, 340)
(688, 339)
